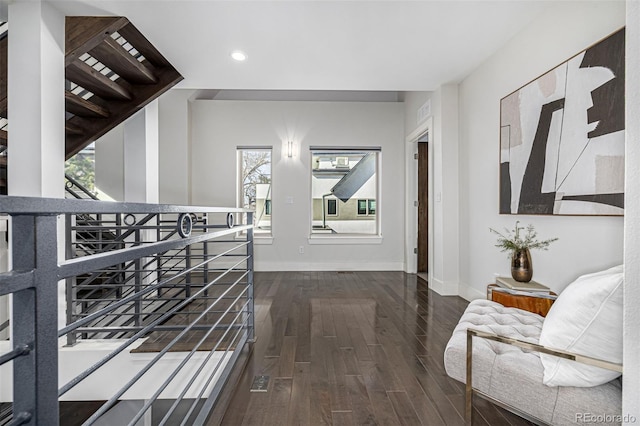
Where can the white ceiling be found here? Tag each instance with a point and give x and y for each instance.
(321, 45)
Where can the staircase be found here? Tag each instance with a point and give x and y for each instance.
(111, 70)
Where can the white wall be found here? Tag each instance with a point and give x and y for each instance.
(175, 148)
(585, 243)
(218, 127)
(631, 360)
(110, 163)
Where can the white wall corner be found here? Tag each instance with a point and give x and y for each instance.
(444, 288)
(469, 293)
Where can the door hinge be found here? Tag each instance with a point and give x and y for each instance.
(415, 204)
(415, 156)
(415, 250)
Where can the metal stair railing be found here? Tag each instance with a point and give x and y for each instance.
(201, 275)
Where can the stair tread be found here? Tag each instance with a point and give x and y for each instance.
(92, 80)
(113, 55)
(83, 107)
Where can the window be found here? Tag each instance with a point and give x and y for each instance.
(362, 207)
(366, 207)
(254, 175)
(372, 206)
(332, 207)
(344, 188)
(82, 168)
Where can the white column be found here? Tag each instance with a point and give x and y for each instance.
(446, 247)
(36, 100)
(141, 174)
(631, 359)
(36, 109)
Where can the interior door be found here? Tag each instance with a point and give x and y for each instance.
(423, 207)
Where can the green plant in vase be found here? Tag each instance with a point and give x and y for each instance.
(518, 244)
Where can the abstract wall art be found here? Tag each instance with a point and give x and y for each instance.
(562, 137)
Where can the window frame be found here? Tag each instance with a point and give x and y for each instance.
(321, 236)
(264, 234)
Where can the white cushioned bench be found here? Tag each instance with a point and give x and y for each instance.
(514, 376)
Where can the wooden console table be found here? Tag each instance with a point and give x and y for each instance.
(532, 301)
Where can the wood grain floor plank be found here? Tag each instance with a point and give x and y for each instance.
(277, 411)
(380, 402)
(342, 418)
(300, 403)
(362, 410)
(287, 356)
(404, 410)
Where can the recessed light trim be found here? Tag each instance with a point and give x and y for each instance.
(239, 55)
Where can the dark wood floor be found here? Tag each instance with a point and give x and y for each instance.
(353, 348)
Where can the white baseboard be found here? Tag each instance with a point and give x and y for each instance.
(470, 293)
(443, 288)
(330, 266)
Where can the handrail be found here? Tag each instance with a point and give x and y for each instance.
(78, 185)
(152, 268)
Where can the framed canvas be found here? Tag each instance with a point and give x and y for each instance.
(562, 137)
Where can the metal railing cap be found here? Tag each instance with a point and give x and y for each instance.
(49, 206)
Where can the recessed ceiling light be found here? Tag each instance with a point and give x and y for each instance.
(239, 55)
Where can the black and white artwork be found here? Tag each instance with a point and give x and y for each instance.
(562, 137)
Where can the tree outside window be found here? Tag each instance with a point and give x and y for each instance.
(255, 185)
(82, 168)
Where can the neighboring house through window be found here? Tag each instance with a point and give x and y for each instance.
(344, 187)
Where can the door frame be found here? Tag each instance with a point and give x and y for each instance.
(411, 196)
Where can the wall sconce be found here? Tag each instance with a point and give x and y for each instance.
(290, 149)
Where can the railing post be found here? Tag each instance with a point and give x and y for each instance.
(137, 283)
(35, 320)
(252, 323)
(70, 283)
(205, 251)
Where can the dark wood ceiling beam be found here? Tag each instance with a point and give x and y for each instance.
(122, 62)
(83, 107)
(4, 137)
(144, 46)
(83, 33)
(72, 129)
(92, 80)
(120, 111)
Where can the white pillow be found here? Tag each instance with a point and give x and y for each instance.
(585, 319)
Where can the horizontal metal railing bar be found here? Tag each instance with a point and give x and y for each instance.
(20, 419)
(148, 314)
(73, 382)
(130, 329)
(86, 264)
(111, 401)
(54, 206)
(195, 375)
(96, 225)
(14, 281)
(131, 298)
(18, 351)
(175, 372)
(543, 349)
(211, 399)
